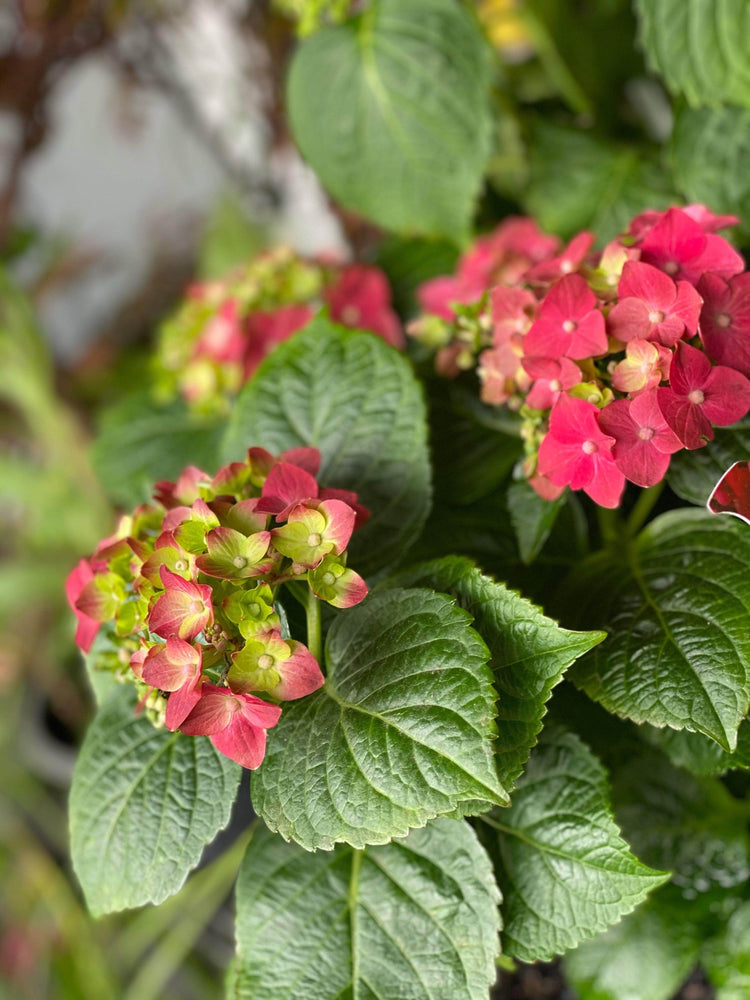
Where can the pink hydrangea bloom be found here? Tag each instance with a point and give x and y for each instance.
(678, 246)
(361, 298)
(236, 724)
(653, 307)
(725, 320)
(577, 453)
(568, 323)
(87, 627)
(643, 440)
(700, 395)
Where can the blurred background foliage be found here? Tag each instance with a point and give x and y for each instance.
(144, 143)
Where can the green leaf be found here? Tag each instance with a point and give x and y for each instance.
(709, 155)
(143, 804)
(563, 869)
(700, 47)
(408, 263)
(528, 652)
(416, 918)
(727, 957)
(357, 400)
(577, 181)
(532, 518)
(400, 733)
(644, 957)
(140, 442)
(693, 474)
(691, 825)
(698, 754)
(675, 602)
(392, 111)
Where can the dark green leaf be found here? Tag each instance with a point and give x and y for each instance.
(563, 869)
(400, 733)
(698, 754)
(416, 918)
(693, 474)
(529, 652)
(675, 602)
(691, 825)
(143, 804)
(532, 518)
(410, 262)
(392, 111)
(357, 400)
(140, 442)
(700, 47)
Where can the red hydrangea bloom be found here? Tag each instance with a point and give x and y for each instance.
(361, 298)
(266, 330)
(183, 610)
(236, 724)
(577, 453)
(174, 667)
(725, 320)
(653, 307)
(678, 246)
(568, 323)
(284, 668)
(700, 395)
(222, 339)
(643, 440)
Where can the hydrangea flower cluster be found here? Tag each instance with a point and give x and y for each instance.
(614, 359)
(189, 584)
(217, 338)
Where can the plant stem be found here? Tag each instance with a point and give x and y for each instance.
(610, 526)
(643, 507)
(313, 625)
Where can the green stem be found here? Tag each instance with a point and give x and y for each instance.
(610, 526)
(553, 63)
(314, 643)
(643, 507)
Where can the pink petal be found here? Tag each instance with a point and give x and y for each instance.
(340, 518)
(290, 484)
(168, 667)
(266, 330)
(629, 320)
(242, 742)
(304, 458)
(727, 395)
(652, 286)
(181, 703)
(300, 674)
(689, 369)
(607, 483)
(212, 713)
(589, 338)
(687, 306)
(687, 420)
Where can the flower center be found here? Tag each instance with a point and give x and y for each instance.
(314, 539)
(197, 607)
(350, 315)
(329, 579)
(589, 447)
(240, 562)
(569, 326)
(180, 566)
(723, 320)
(265, 660)
(555, 385)
(646, 433)
(656, 316)
(672, 266)
(696, 396)
(253, 610)
(566, 266)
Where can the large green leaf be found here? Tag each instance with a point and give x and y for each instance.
(691, 825)
(644, 957)
(700, 47)
(140, 442)
(709, 153)
(580, 182)
(693, 474)
(400, 733)
(414, 919)
(563, 869)
(357, 400)
(392, 111)
(675, 602)
(532, 517)
(529, 652)
(143, 804)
